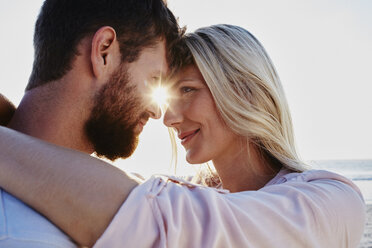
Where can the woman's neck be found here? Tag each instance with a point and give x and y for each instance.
(245, 169)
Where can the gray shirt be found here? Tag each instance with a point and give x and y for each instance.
(21, 226)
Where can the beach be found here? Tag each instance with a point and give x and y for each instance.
(366, 241)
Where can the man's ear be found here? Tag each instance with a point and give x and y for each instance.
(105, 51)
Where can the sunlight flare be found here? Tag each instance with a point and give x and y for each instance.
(160, 95)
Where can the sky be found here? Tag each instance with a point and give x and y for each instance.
(322, 50)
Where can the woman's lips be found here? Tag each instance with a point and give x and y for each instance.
(187, 136)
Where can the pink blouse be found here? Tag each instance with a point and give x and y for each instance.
(309, 209)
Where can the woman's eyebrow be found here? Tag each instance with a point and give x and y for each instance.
(175, 83)
(185, 80)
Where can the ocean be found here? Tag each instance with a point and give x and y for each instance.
(359, 171)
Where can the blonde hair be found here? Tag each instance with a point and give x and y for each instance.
(246, 89)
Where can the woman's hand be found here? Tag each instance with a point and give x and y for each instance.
(6, 110)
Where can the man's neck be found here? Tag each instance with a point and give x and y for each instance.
(55, 118)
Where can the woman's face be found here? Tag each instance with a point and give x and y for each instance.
(193, 114)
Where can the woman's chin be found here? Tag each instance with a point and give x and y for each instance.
(193, 158)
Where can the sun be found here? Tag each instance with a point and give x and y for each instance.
(160, 95)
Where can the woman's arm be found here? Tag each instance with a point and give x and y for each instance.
(77, 192)
(6, 110)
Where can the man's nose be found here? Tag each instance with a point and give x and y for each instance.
(154, 111)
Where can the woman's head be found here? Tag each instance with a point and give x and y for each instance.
(245, 88)
(192, 112)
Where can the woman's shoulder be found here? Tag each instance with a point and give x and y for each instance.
(322, 189)
(308, 176)
(316, 182)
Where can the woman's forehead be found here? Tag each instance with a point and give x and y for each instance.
(187, 73)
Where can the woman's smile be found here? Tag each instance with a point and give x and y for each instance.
(185, 137)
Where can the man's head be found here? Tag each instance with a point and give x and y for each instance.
(124, 104)
(62, 24)
(143, 32)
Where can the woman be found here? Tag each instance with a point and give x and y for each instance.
(227, 106)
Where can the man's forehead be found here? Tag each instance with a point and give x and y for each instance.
(156, 57)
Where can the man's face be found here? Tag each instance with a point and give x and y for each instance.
(124, 104)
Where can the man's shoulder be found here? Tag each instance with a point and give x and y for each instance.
(20, 224)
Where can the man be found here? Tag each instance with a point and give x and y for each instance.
(95, 62)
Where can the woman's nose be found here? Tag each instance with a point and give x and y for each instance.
(172, 116)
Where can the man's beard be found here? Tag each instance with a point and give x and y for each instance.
(116, 112)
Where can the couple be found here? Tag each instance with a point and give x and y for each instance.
(94, 69)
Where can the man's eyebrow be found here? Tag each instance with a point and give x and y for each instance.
(159, 74)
